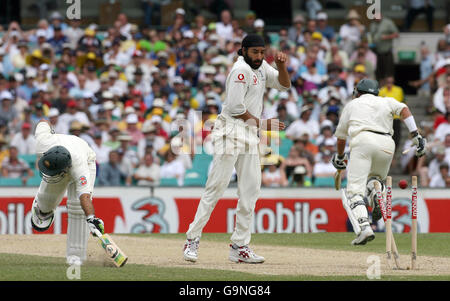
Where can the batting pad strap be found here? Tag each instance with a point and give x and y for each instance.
(363, 220)
(357, 203)
(410, 124)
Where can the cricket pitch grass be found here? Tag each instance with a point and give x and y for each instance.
(289, 257)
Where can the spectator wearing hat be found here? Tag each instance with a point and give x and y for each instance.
(133, 130)
(179, 22)
(137, 103)
(151, 139)
(305, 124)
(27, 88)
(15, 167)
(18, 59)
(129, 154)
(24, 141)
(89, 42)
(322, 26)
(259, 25)
(8, 113)
(295, 32)
(147, 172)
(358, 73)
(273, 171)
(351, 32)
(53, 118)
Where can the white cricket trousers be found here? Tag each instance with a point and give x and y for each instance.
(370, 156)
(245, 158)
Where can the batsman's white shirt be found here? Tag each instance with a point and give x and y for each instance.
(370, 153)
(83, 157)
(368, 113)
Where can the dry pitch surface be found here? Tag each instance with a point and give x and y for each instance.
(165, 252)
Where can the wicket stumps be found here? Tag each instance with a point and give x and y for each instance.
(386, 211)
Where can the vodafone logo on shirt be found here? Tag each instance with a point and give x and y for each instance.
(240, 78)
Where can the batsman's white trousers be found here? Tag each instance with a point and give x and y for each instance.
(49, 196)
(370, 156)
(234, 147)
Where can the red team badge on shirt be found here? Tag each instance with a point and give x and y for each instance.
(83, 180)
(255, 80)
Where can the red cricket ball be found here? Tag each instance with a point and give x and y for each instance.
(402, 184)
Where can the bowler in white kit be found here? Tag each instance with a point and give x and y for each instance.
(66, 163)
(236, 140)
(367, 120)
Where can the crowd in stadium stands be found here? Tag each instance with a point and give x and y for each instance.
(145, 99)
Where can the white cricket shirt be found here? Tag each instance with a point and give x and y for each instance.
(368, 113)
(82, 155)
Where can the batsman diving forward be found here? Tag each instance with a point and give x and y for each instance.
(66, 162)
(235, 138)
(367, 120)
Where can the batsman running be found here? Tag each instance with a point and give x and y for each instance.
(367, 120)
(235, 138)
(66, 162)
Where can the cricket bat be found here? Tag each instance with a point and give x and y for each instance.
(113, 252)
(338, 179)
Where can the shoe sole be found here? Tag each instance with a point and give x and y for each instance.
(238, 260)
(191, 259)
(368, 238)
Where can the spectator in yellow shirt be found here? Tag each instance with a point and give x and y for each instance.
(396, 92)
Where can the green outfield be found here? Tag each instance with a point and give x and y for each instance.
(14, 267)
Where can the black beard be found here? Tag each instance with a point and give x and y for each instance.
(252, 64)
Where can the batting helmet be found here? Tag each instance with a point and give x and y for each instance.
(55, 161)
(368, 86)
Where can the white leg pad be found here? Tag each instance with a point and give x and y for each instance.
(351, 217)
(77, 229)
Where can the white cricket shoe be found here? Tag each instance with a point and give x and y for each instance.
(190, 250)
(74, 260)
(365, 236)
(244, 254)
(41, 221)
